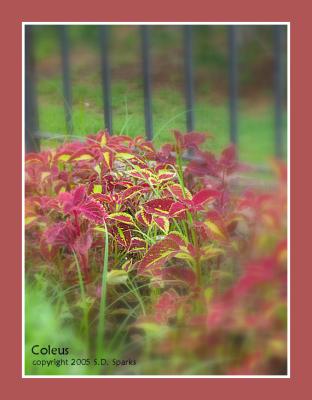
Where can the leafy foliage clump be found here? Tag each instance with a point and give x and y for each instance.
(159, 259)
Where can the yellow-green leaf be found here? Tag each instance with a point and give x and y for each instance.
(97, 169)
(64, 157)
(127, 265)
(97, 189)
(124, 156)
(103, 140)
(214, 228)
(117, 277)
(107, 158)
(30, 219)
(84, 157)
(122, 217)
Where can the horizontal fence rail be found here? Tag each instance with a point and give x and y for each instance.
(32, 131)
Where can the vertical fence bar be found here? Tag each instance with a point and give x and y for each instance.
(278, 89)
(188, 76)
(67, 93)
(147, 86)
(32, 142)
(106, 78)
(233, 82)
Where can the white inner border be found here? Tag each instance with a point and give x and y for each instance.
(288, 202)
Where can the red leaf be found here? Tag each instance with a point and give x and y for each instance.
(160, 252)
(179, 273)
(82, 155)
(257, 272)
(78, 202)
(177, 191)
(206, 164)
(61, 234)
(137, 245)
(228, 160)
(162, 223)
(194, 139)
(144, 218)
(176, 209)
(47, 251)
(158, 207)
(167, 306)
(189, 140)
(217, 313)
(83, 243)
(93, 211)
(165, 176)
(204, 196)
(72, 199)
(123, 236)
(131, 191)
(122, 217)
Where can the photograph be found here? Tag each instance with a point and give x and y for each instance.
(155, 221)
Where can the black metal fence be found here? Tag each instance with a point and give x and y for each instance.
(32, 131)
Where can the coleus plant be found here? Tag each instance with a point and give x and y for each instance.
(169, 230)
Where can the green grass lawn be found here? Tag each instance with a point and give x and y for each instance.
(256, 120)
(256, 112)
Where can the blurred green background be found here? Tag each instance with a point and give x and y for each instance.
(256, 103)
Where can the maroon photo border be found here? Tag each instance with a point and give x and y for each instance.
(12, 15)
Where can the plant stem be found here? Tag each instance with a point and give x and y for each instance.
(137, 295)
(85, 323)
(189, 216)
(101, 323)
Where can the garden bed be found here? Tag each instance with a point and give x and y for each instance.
(177, 264)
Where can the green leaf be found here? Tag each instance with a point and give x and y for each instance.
(117, 277)
(30, 219)
(127, 265)
(64, 157)
(124, 156)
(97, 189)
(153, 329)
